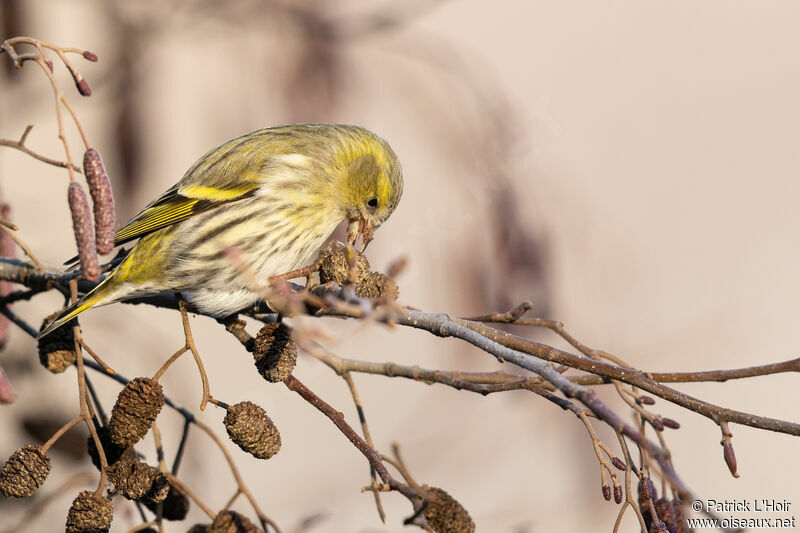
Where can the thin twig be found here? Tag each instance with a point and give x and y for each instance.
(97, 358)
(237, 476)
(187, 331)
(24, 247)
(293, 384)
(84, 400)
(20, 145)
(365, 429)
(181, 486)
(66, 427)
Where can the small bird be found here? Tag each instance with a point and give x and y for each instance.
(274, 195)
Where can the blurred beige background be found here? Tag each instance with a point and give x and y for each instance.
(632, 167)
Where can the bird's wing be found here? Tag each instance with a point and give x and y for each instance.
(215, 179)
(180, 203)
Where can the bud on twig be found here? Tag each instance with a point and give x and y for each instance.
(670, 423)
(137, 407)
(84, 232)
(49, 65)
(90, 56)
(607, 492)
(90, 512)
(619, 463)
(618, 494)
(80, 82)
(647, 400)
(657, 423)
(275, 352)
(252, 430)
(24, 472)
(102, 200)
(729, 455)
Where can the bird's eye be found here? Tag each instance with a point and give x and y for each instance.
(373, 202)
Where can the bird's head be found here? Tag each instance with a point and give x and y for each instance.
(373, 185)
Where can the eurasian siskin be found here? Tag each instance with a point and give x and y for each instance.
(275, 195)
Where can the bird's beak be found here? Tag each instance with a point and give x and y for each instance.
(359, 226)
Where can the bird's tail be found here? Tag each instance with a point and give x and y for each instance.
(100, 294)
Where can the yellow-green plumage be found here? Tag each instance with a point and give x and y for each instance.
(274, 195)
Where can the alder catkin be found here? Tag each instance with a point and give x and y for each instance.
(102, 200)
(666, 512)
(84, 231)
(683, 525)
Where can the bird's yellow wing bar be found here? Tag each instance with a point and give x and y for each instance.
(176, 205)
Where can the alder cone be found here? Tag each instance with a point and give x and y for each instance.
(377, 285)
(138, 481)
(174, 507)
(137, 407)
(445, 515)
(24, 472)
(275, 352)
(252, 430)
(89, 513)
(57, 350)
(232, 522)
